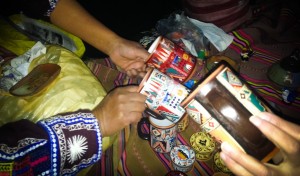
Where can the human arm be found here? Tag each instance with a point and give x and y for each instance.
(72, 17)
(284, 134)
(58, 145)
(67, 143)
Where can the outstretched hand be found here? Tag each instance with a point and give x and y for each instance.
(130, 56)
(121, 107)
(285, 135)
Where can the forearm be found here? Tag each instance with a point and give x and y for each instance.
(72, 17)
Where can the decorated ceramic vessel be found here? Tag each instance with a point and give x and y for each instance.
(203, 144)
(163, 135)
(222, 105)
(183, 158)
(175, 62)
(183, 123)
(164, 96)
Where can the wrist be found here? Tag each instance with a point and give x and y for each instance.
(112, 45)
(101, 120)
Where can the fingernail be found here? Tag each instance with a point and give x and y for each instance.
(226, 147)
(223, 156)
(255, 120)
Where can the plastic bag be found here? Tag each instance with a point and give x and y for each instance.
(13, 40)
(181, 31)
(19, 33)
(75, 88)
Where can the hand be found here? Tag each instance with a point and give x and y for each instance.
(130, 56)
(284, 134)
(121, 107)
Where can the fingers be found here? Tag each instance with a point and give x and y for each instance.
(241, 163)
(233, 166)
(129, 88)
(141, 52)
(290, 128)
(141, 72)
(135, 117)
(283, 134)
(121, 107)
(136, 73)
(134, 105)
(130, 100)
(128, 95)
(277, 131)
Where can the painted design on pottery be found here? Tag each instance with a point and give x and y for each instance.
(203, 144)
(203, 157)
(201, 116)
(194, 112)
(183, 158)
(210, 125)
(235, 86)
(230, 102)
(164, 95)
(163, 140)
(171, 60)
(197, 112)
(183, 123)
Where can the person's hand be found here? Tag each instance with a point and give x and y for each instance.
(130, 56)
(121, 107)
(285, 135)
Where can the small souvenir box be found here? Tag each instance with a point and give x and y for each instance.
(183, 158)
(203, 144)
(222, 104)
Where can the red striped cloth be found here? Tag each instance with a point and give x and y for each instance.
(255, 70)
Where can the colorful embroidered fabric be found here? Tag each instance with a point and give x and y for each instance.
(52, 7)
(76, 143)
(24, 149)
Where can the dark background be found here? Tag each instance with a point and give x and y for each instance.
(128, 18)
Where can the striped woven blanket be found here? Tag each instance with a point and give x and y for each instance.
(131, 155)
(254, 71)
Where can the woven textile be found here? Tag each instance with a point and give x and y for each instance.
(254, 71)
(131, 155)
